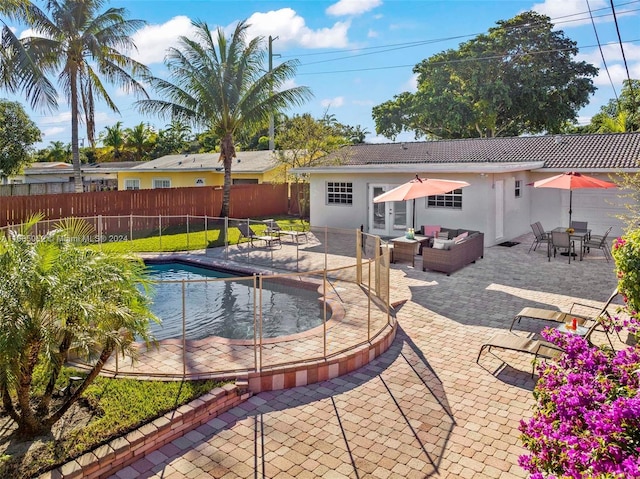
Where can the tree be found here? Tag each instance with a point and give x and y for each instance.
(58, 151)
(619, 115)
(114, 138)
(303, 142)
(520, 77)
(17, 137)
(174, 139)
(139, 139)
(222, 86)
(78, 44)
(55, 295)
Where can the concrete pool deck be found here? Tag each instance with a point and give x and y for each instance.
(424, 408)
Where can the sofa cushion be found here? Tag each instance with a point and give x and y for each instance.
(461, 237)
(439, 243)
(430, 230)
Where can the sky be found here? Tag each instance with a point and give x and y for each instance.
(356, 54)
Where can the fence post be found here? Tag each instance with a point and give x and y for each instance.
(187, 232)
(184, 331)
(324, 313)
(260, 316)
(100, 231)
(255, 326)
(206, 241)
(160, 230)
(131, 227)
(226, 237)
(359, 256)
(326, 248)
(369, 305)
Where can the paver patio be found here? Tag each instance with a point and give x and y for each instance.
(422, 409)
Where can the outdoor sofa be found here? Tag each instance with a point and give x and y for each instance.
(456, 254)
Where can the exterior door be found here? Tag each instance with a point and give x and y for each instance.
(499, 189)
(390, 218)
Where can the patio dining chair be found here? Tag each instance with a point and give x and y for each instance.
(599, 242)
(561, 240)
(540, 236)
(579, 225)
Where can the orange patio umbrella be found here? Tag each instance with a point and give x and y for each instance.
(572, 181)
(419, 188)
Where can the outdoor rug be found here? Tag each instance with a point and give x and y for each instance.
(509, 244)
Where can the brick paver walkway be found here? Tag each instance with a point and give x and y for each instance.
(422, 409)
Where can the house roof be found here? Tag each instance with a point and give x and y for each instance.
(245, 162)
(613, 151)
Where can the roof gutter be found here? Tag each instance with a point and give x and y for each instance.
(423, 168)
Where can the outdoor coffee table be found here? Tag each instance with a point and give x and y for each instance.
(404, 249)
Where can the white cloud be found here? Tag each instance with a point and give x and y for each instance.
(568, 13)
(64, 117)
(352, 7)
(48, 132)
(411, 84)
(615, 63)
(336, 102)
(291, 29)
(153, 40)
(372, 34)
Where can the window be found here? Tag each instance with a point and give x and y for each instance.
(339, 193)
(132, 184)
(450, 200)
(200, 182)
(518, 188)
(161, 183)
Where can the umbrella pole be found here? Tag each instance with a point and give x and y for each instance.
(570, 201)
(413, 213)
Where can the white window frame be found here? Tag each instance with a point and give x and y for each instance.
(200, 182)
(165, 183)
(339, 193)
(132, 183)
(452, 200)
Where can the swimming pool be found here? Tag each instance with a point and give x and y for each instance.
(225, 308)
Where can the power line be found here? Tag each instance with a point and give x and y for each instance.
(461, 60)
(624, 58)
(595, 30)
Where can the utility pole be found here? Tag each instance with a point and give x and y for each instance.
(272, 141)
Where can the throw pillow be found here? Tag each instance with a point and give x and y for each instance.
(430, 230)
(438, 243)
(461, 237)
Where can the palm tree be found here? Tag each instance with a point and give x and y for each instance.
(78, 44)
(58, 151)
(220, 85)
(57, 295)
(114, 137)
(139, 139)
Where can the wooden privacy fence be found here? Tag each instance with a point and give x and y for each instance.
(246, 201)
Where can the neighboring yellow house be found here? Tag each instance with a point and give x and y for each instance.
(200, 169)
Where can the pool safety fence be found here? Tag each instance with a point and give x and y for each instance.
(347, 269)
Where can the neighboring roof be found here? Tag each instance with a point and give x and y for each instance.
(613, 151)
(245, 162)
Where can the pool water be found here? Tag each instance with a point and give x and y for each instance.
(225, 308)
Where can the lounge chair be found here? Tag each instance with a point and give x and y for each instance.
(538, 347)
(561, 316)
(295, 234)
(247, 232)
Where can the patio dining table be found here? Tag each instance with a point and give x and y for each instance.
(579, 235)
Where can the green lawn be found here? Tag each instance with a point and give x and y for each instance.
(113, 408)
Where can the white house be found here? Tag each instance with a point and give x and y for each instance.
(500, 200)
